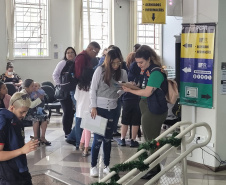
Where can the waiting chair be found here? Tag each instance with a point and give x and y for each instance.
(20, 88)
(11, 88)
(51, 102)
(49, 84)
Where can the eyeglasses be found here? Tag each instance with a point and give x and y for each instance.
(70, 53)
(24, 97)
(94, 50)
(116, 63)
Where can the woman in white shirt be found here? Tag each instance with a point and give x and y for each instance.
(82, 105)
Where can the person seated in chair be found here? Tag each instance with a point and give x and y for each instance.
(36, 119)
(13, 150)
(38, 91)
(4, 97)
(10, 76)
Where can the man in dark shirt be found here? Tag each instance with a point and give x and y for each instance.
(13, 150)
(83, 59)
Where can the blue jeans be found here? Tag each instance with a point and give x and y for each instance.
(98, 139)
(117, 115)
(72, 93)
(72, 136)
(76, 132)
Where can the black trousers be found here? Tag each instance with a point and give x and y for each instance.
(67, 120)
(19, 182)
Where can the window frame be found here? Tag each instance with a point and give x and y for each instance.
(104, 40)
(159, 34)
(48, 57)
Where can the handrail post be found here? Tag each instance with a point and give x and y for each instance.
(163, 152)
(184, 160)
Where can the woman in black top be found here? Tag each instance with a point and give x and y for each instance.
(11, 76)
(4, 97)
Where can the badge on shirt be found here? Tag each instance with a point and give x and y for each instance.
(22, 133)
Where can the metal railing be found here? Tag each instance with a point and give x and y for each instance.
(133, 176)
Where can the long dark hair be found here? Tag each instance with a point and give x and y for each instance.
(147, 52)
(107, 65)
(130, 59)
(118, 51)
(65, 58)
(85, 79)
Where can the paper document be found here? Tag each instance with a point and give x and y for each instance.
(97, 125)
(129, 85)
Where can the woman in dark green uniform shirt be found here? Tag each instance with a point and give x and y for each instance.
(151, 122)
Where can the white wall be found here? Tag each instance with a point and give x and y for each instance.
(209, 11)
(60, 33)
(220, 99)
(121, 26)
(171, 28)
(3, 41)
(200, 11)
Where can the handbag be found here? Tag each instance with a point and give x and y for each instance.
(60, 94)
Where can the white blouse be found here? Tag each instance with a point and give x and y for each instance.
(82, 102)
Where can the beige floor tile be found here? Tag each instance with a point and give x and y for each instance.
(63, 161)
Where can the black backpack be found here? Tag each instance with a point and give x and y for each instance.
(68, 81)
(177, 108)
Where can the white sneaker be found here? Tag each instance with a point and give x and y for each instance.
(93, 171)
(106, 170)
(138, 139)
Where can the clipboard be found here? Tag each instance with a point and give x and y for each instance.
(129, 85)
(97, 125)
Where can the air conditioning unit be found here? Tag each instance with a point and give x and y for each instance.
(174, 7)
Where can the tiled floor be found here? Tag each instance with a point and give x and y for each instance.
(62, 162)
(46, 179)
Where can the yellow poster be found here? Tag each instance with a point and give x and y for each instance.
(197, 45)
(196, 64)
(154, 11)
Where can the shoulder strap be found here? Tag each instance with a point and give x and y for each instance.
(164, 85)
(160, 70)
(156, 68)
(67, 66)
